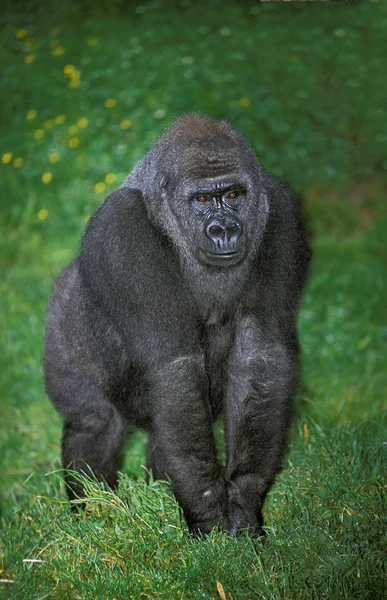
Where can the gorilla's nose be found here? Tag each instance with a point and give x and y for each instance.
(224, 232)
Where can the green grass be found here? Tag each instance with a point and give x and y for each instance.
(306, 84)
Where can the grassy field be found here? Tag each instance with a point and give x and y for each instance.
(85, 90)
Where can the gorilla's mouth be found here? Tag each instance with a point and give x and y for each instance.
(220, 259)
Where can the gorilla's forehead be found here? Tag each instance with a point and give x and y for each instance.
(213, 182)
(211, 170)
(206, 161)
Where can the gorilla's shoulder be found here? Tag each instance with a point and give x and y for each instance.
(278, 190)
(122, 212)
(285, 205)
(120, 232)
(122, 200)
(285, 233)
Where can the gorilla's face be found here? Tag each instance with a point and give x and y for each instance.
(215, 209)
(216, 218)
(213, 202)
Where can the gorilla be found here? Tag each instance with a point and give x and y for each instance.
(181, 306)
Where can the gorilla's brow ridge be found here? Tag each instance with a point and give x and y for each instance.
(212, 167)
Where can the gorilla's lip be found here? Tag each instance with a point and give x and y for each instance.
(218, 258)
(223, 254)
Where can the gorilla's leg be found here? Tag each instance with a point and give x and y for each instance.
(93, 437)
(182, 444)
(261, 383)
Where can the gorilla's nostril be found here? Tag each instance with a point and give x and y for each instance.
(232, 227)
(216, 230)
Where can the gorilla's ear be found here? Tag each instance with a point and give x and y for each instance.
(164, 183)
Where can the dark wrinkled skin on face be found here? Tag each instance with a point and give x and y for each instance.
(180, 307)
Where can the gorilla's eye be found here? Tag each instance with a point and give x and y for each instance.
(203, 198)
(232, 195)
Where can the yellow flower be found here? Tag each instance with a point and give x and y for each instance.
(73, 142)
(68, 70)
(48, 124)
(100, 187)
(31, 114)
(6, 158)
(245, 102)
(47, 177)
(53, 157)
(75, 77)
(92, 41)
(29, 59)
(60, 119)
(86, 218)
(42, 214)
(73, 130)
(110, 178)
(30, 42)
(110, 103)
(39, 133)
(58, 51)
(125, 124)
(17, 162)
(21, 33)
(83, 122)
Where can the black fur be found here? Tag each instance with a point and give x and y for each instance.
(180, 306)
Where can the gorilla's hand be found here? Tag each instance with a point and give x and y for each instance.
(210, 510)
(244, 512)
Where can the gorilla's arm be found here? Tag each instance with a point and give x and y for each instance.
(131, 272)
(182, 444)
(264, 362)
(262, 379)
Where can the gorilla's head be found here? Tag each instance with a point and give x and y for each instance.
(203, 185)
